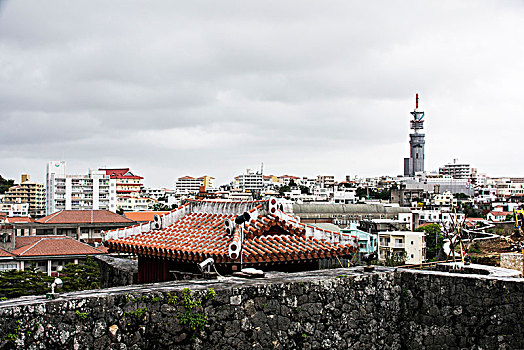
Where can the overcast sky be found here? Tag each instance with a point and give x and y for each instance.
(173, 88)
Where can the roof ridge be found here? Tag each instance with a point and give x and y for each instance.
(6, 251)
(31, 246)
(53, 215)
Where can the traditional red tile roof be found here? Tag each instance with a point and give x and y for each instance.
(53, 245)
(121, 173)
(5, 254)
(21, 241)
(17, 219)
(143, 216)
(198, 232)
(83, 217)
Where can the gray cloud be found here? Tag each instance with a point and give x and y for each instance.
(306, 87)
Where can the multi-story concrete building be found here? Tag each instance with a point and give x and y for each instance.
(445, 218)
(28, 192)
(14, 209)
(507, 188)
(132, 203)
(326, 180)
(444, 199)
(127, 183)
(250, 181)
(154, 193)
(458, 171)
(191, 185)
(410, 246)
(94, 191)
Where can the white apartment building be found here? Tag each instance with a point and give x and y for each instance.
(444, 199)
(485, 195)
(322, 194)
(509, 187)
(154, 193)
(445, 218)
(15, 209)
(191, 185)
(94, 191)
(250, 181)
(412, 245)
(346, 196)
(135, 203)
(326, 180)
(457, 171)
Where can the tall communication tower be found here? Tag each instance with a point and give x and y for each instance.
(415, 162)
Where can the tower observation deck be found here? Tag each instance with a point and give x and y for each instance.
(415, 162)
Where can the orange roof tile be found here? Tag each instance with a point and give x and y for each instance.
(17, 219)
(83, 217)
(53, 245)
(5, 254)
(199, 235)
(143, 216)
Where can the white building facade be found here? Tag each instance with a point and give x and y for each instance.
(191, 185)
(250, 181)
(410, 245)
(15, 209)
(94, 191)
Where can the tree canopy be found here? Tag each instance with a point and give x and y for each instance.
(434, 239)
(5, 184)
(14, 283)
(81, 276)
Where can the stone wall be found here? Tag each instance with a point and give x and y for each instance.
(329, 309)
(514, 261)
(116, 272)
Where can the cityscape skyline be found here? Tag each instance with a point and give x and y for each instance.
(203, 89)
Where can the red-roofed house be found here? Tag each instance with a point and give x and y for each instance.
(81, 224)
(7, 261)
(9, 228)
(498, 216)
(48, 253)
(474, 222)
(267, 238)
(126, 181)
(85, 225)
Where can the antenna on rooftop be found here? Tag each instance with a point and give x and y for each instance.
(262, 168)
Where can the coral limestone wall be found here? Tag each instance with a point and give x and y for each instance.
(343, 308)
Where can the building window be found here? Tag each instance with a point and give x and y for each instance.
(411, 242)
(8, 266)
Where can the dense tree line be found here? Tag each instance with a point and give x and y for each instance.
(31, 281)
(5, 184)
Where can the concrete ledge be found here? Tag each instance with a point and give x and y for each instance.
(476, 269)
